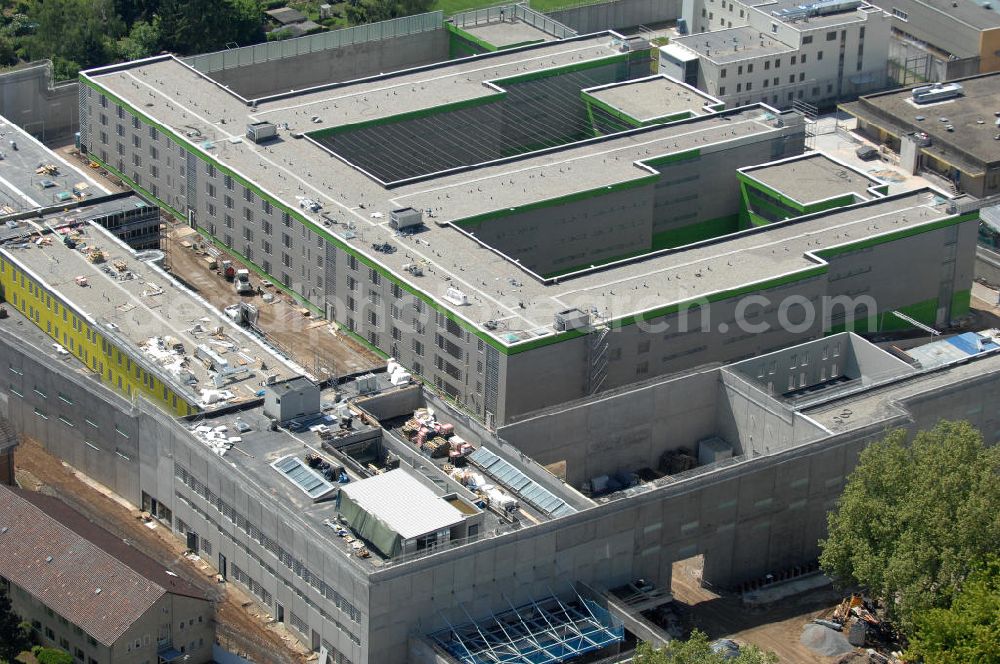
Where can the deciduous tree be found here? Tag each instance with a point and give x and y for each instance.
(915, 519)
(968, 631)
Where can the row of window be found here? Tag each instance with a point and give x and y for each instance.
(271, 545)
(252, 585)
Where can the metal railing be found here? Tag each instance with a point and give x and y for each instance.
(207, 63)
(510, 13)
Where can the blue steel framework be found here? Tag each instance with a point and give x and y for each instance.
(546, 631)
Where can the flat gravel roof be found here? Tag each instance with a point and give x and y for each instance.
(647, 99)
(507, 33)
(136, 301)
(972, 115)
(193, 108)
(22, 188)
(813, 177)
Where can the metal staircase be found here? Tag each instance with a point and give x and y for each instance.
(597, 350)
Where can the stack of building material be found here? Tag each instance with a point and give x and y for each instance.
(677, 461)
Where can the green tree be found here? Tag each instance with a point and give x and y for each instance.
(914, 520)
(197, 26)
(698, 650)
(13, 637)
(968, 631)
(370, 11)
(143, 40)
(51, 655)
(74, 34)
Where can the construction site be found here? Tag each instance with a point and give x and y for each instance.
(510, 208)
(424, 335)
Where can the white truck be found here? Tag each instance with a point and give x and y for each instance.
(242, 282)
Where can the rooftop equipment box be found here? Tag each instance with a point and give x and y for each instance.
(258, 132)
(405, 218)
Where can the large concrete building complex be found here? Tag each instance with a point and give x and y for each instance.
(86, 591)
(487, 221)
(780, 53)
(737, 463)
(631, 311)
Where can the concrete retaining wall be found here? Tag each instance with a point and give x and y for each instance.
(30, 99)
(987, 266)
(334, 65)
(618, 14)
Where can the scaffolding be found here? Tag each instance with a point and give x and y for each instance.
(545, 631)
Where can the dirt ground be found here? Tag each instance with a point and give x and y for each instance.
(776, 629)
(307, 340)
(240, 626)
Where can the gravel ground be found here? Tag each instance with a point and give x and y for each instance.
(825, 641)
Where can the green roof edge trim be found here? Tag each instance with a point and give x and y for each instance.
(558, 200)
(469, 37)
(568, 69)
(409, 115)
(719, 296)
(753, 183)
(590, 99)
(672, 158)
(897, 235)
(503, 348)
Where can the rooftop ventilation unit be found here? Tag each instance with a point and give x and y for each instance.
(457, 297)
(259, 132)
(821, 8)
(404, 218)
(571, 319)
(937, 92)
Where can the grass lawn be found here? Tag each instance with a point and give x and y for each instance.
(450, 7)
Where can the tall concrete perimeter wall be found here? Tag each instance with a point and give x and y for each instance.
(345, 63)
(618, 14)
(47, 110)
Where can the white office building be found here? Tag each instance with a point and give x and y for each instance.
(780, 52)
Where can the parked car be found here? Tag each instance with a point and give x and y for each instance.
(866, 153)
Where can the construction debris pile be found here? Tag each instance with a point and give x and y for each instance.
(854, 624)
(491, 495)
(217, 438)
(436, 439)
(331, 472)
(357, 546)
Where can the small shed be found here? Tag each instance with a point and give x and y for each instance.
(397, 513)
(292, 398)
(286, 15)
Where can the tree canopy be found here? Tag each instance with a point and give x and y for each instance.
(13, 636)
(698, 650)
(914, 520)
(51, 655)
(78, 34)
(968, 631)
